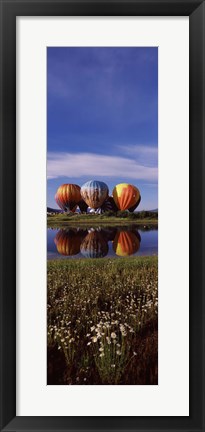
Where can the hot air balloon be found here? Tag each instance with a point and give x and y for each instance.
(94, 245)
(82, 206)
(94, 193)
(59, 203)
(125, 195)
(68, 196)
(109, 205)
(126, 243)
(62, 207)
(68, 242)
(132, 209)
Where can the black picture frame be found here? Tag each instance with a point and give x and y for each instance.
(195, 9)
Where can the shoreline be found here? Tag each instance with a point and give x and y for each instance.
(91, 222)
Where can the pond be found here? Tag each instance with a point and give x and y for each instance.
(101, 242)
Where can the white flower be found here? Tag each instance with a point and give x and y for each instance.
(88, 343)
(118, 352)
(113, 335)
(94, 339)
(102, 354)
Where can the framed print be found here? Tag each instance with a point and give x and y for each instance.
(102, 130)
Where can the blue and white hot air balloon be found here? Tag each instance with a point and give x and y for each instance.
(94, 193)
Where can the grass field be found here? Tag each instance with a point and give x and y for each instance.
(102, 321)
(92, 220)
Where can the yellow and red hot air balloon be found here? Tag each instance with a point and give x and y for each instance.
(132, 209)
(94, 193)
(125, 196)
(68, 242)
(68, 195)
(126, 243)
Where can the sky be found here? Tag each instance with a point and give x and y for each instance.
(102, 118)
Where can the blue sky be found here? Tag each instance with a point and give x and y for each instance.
(102, 118)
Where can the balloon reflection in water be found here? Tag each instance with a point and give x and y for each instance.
(94, 245)
(68, 242)
(126, 243)
(109, 233)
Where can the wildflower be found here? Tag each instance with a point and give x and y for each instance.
(113, 335)
(118, 352)
(102, 354)
(94, 339)
(108, 340)
(88, 343)
(101, 349)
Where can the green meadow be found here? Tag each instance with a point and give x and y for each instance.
(102, 321)
(106, 219)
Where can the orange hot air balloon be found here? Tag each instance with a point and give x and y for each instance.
(63, 208)
(68, 195)
(59, 203)
(68, 242)
(126, 243)
(125, 195)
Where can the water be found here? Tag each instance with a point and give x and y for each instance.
(100, 242)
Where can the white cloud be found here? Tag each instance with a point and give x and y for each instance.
(95, 165)
(143, 154)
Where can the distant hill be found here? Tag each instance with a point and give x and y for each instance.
(51, 210)
(153, 211)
